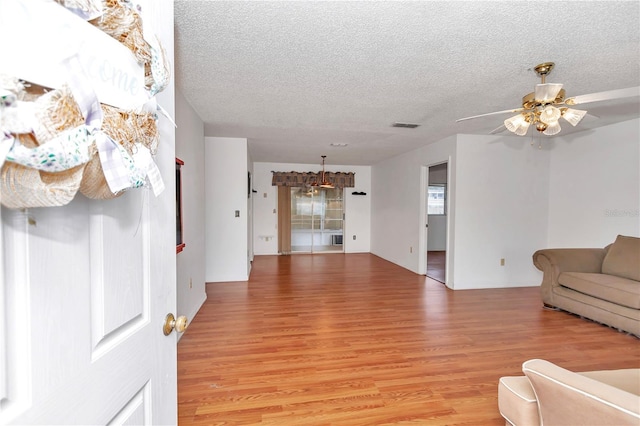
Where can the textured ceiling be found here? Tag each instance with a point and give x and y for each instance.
(294, 77)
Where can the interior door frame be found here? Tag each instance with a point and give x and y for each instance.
(423, 229)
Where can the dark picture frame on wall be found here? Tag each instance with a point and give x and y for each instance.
(179, 230)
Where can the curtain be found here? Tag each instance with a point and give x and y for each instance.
(297, 179)
(284, 220)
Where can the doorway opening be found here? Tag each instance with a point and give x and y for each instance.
(317, 220)
(436, 227)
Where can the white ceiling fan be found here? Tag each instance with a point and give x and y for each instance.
(544, 107)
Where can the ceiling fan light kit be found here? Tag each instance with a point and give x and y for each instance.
(573, 116)
(518, 124)
(550, 114)
(539, 107)
(544, 107)
(553, 128)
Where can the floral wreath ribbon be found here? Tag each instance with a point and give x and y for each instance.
(75, 147)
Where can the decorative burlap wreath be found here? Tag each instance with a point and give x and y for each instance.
(54, 153)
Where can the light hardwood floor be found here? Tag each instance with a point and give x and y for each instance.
(351, 339)
(436, 266)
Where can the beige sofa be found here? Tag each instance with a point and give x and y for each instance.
(602, 284)
(551, 395)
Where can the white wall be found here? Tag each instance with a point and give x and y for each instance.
(190, 262)
(265, 207)
(498, 206)
(501, 210)
(225, 193)
(265, 203)
(358, 211)
(594, 187)
(509, 199)
(396, 212)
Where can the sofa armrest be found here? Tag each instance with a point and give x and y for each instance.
(570, 259)
(552, 262)
(568, 398)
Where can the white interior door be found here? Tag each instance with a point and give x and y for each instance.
(84, 290)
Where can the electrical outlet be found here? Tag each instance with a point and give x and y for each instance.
(410, 249)
(354, 238)
(190, 282)
(264, 194)
(502, 262)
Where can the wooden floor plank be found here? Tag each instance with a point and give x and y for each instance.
(351, 339)
(436, 265)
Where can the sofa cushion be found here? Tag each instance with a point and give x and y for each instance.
(614, 289)
(623, 258)
(517, 402)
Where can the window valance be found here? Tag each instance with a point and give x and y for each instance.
(295, 179)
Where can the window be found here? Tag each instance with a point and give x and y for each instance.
(316, 219)
(437, 199)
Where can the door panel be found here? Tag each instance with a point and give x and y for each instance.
(136, 412)
(14, 392)
(84, 290)
(88, 333)
(122, 307)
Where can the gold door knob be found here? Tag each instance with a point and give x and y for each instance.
(170, 323)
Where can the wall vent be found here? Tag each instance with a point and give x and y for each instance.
(405, 125)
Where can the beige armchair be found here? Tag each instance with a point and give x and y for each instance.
(551, 395)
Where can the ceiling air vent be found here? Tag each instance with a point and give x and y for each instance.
(405, 125)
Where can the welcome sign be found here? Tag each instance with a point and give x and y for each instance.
(41, 36)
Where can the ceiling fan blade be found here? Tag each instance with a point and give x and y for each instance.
(498, 130)
(490, 113)
(603, 96)
(547, 92)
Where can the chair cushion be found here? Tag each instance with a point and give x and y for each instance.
(621, 291)
(517, 402)
(565, 397)
(623, 258)
(628, 380)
